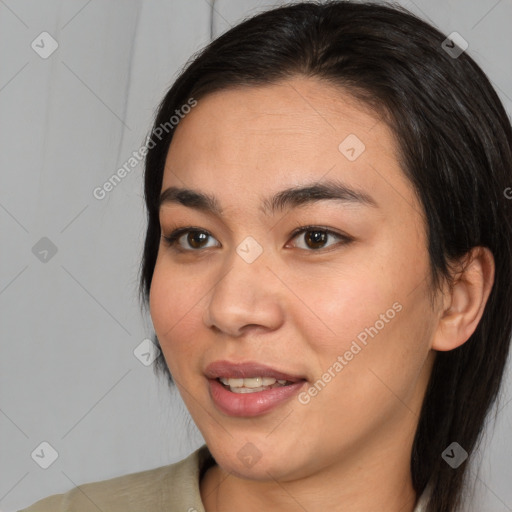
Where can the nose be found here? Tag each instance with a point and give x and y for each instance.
(246, 296)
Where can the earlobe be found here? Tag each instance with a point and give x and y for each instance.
(465, 300)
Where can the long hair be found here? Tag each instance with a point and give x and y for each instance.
(455, 142)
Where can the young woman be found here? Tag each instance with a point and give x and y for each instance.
(327, 266)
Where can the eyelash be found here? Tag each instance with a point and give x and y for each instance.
(172, 239)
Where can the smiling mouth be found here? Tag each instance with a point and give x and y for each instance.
(250, 389)
(252, 384)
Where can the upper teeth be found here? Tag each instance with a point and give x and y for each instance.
(253, 382)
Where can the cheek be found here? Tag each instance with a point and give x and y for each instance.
(394, 344)
(369, 316)
(372, 380)
(336, 305)
(174, 305)
(160, 301)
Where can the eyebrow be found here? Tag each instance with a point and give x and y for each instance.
(285, 199)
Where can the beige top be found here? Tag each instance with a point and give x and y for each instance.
(172, 488)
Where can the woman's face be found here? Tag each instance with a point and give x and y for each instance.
(331, 292)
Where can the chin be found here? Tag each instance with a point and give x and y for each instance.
(258, 460)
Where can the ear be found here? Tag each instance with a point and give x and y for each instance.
(464, 301)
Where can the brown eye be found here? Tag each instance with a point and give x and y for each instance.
(187, 239)
(316, 238)
(196, 239)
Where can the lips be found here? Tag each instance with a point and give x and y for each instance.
(247, 370)
(255, 403)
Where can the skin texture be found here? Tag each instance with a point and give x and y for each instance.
(297, 308)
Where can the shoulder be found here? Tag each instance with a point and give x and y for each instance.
(157, 489)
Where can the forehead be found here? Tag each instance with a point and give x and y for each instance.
(256, 139)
